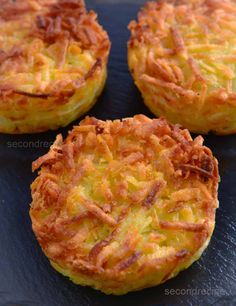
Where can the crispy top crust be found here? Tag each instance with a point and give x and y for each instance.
(189, 49)
(48, 47)
(120, 197)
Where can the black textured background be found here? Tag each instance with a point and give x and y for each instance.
(26, 278)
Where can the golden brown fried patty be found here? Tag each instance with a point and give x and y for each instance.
(124, 205)
(182, 57)
(53, 56)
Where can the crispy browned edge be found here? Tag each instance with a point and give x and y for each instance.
(156, 74)
(59, 23)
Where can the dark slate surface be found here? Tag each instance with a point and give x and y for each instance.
(26, 277)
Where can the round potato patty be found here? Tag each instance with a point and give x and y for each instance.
(124, 205)
(182, 57)
(53, 58)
